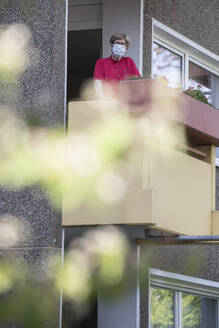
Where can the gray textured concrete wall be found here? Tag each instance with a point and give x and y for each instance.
(41, 93)
(197, 20)
(201, 261)
(42, 85)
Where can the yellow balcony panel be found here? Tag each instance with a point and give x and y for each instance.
(172, 189)
(215, 222)
(137, 205)
(137, 208)
(183, 190)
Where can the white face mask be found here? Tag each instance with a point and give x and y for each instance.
(119, 50)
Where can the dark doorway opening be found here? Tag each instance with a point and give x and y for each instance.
(72, 320)
(84, 48)
(70, 317)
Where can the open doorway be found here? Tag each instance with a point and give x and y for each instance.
(70, 317)
(84, 48)
(72, 320)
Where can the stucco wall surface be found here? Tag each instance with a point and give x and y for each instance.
(201, 261)
(36, 261)
(42, 84)
(40, 92)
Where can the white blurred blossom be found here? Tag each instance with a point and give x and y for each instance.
(11, 231)
(83, 156)
(14, 42)
(111, 187)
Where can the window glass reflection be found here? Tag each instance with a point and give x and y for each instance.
(167, 65)
(161, 308)
(200, 78)
(197, 312)
(191, 311)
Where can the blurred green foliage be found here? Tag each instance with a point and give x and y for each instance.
(161, 308)
(76, 166)
(98, 262)
(191, 311)
(196, 94)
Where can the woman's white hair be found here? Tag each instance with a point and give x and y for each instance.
(120, 36)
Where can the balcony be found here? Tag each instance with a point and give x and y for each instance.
(172, 180)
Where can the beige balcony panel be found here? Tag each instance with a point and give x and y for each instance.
(136, 209)
(215, 222)
(137, 206)
(168, 189)
(183, 185)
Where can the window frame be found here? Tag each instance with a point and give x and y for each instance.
(185, 62)
(188, 49)
(206, 67)
(179, 284)
(177, 52)
(184, 44)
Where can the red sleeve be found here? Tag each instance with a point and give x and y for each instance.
(99, 73)
(133, 69)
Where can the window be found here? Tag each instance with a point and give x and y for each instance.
(161, 308)
(217, 157)
(180, 301)
(199, 76)
(168, 65)
(183, 63)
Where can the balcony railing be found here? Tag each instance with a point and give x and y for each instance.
(175, 189)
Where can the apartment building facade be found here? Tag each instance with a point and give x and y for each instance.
(188, 33)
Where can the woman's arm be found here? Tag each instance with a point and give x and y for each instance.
(99, 75)
(98, 87)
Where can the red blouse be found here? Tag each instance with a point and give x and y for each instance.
(108, 69)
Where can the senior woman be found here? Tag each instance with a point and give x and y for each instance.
(115, 68)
